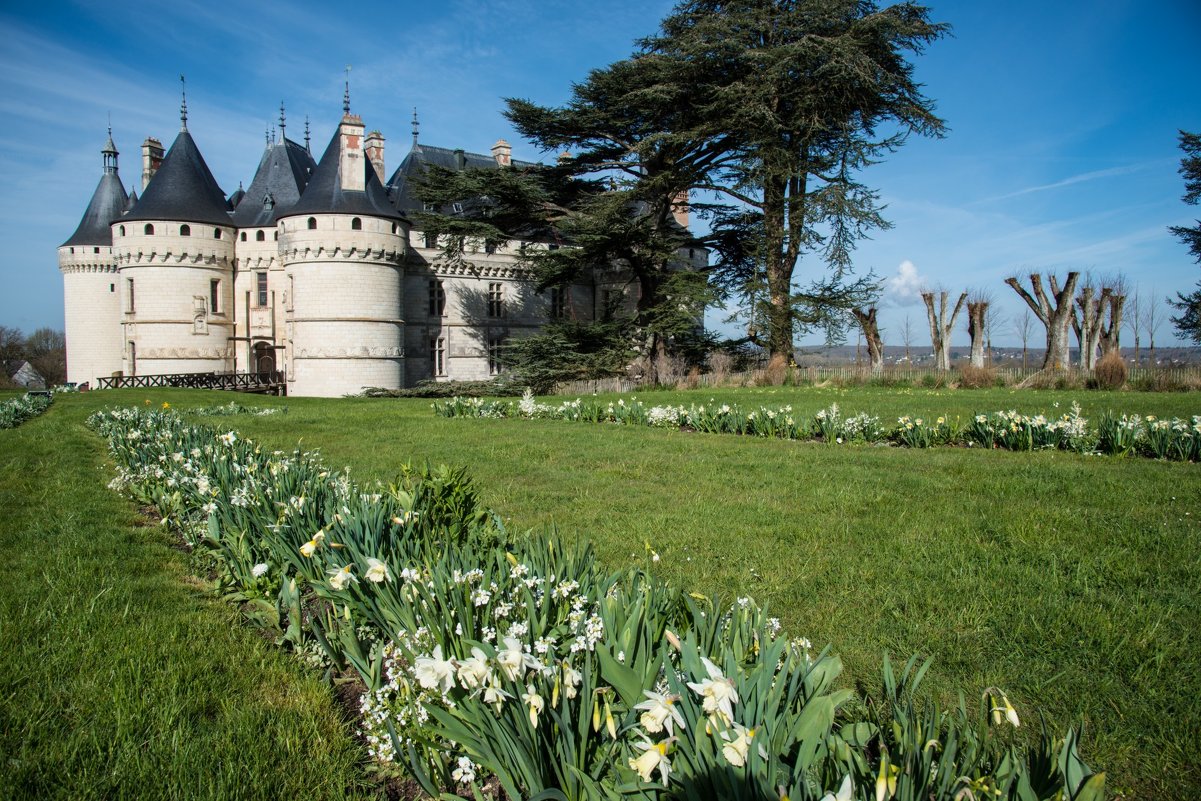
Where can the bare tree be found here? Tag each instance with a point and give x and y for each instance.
(871, 332)
(941, 327)
(1056, 318)
(1111, 322)
(993, 323)
(1152, 319)
(1022, 327)
(1134, 321)
(977, 316)
(1088, 325)
(907, 338)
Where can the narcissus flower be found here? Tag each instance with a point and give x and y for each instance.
(377, 571)
(738, 747)
(310, 547)
(494, 695)
(513, 659)
(717, 691)
(532, 699)
(660, 712)
(844, 792)
(434, 672)
(654, 756)
(474, 672)
(341, 578)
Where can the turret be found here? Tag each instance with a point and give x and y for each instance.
(343, 245)
(175, 252)
(90, 293)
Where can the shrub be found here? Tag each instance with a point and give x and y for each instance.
(1110, 372)
(977, 377)
(18, 410)
(776, 372)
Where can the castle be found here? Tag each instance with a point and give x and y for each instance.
(317, 270)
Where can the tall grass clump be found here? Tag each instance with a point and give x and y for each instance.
(492, 659)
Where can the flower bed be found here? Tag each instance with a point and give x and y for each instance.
(487, 654)
(1174, 439)
(18, 410)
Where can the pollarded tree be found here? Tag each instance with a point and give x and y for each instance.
(1054, 312)
(941, 326)
(1089, 323)
(977, 325)
(802, 95)
(1189, 306)
(871, 333)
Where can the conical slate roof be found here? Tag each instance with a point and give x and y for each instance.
(108, 202)
(325, 195)
(282, 176)
(182, 189)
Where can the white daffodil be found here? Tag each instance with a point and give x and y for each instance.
(717, 691)
(494, 695)
(571, 681)
(513, 659)
(737, 747)
(260, 570)
(654, 756)
(1001, 708)
(660, 712)
(341, 579)
(434, 672)
(844, 792)
(310, 547)
(377, 571)
(532, 699)
(474, 672)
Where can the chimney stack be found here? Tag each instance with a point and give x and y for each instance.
(679, 208)
(351, 169)
(152, 157)
(502, 151)
(374, 145)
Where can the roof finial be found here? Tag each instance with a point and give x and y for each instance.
(416, 126)
(109, 151)
(183, 103)
(267, 134)
(282, 121)
(346, 94)
(306, 133)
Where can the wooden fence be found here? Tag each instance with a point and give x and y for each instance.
(273, 382)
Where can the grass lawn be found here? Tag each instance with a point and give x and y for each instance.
(119, 676)
(1073, 583)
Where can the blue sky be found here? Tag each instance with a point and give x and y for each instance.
(1062, 151)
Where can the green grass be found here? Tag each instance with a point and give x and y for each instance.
(1074, 583)
(120, 676)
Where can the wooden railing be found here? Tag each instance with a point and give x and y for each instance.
(237, 382)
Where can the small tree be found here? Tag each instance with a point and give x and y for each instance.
(1151, 321)
(907, 338)
(941, 327)
(1134, 321)
(871, 333)
(993, 323)
(1022, 326)
(1056, 317)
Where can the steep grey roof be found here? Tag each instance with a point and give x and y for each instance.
(108, 203)
(325, 195)
(283, 173)
(182, 189)
(133, 199)
(401, 186)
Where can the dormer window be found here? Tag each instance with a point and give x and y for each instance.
(261, 236)
(148, 230)
(428, 207)
(185, 230)
(121, 228)
(356, 224)
(216, 233)
(312, 223)
(458, 208)
(243, 236)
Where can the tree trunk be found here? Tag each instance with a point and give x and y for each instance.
(976, 314)
(1111, 332)
(871, 333)
(1056, 318)
(941, 327)
(1088, 330)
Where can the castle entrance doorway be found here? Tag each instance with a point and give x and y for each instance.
(264, 357)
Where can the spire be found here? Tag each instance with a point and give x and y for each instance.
(267, 134)
(306, 133)
(183, 104)
(416, 127)
(346, 94)
(282, 122)
(109, 153)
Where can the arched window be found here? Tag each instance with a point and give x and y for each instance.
(185, 230)
(260, 237)
(216, 233)
(312, 223)
(243, 236)
(277, 236)
(394, 227)
(148, 230)
(121, 229)
(356, 224)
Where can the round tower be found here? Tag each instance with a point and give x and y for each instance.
(175, 252)
(91, 291)
(343, 246)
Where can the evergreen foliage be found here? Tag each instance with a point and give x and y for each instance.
(1189, 321)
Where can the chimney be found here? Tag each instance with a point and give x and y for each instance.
(152, 157)
(679, 208)
(374, 145)
(460, 159)
(502, 151)
(351, 169)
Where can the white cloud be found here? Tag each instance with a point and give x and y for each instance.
(905, 287)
